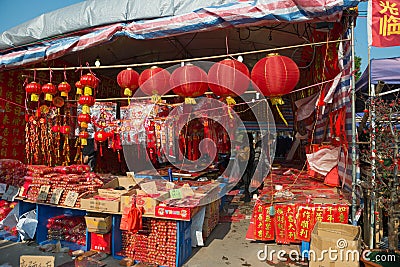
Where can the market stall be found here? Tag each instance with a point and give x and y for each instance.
(174, 133)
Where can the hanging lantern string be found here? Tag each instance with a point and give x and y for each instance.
(65, 73)
(34, 75)
(51, 74)
(202, 58)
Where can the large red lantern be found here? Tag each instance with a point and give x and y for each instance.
(55, 128)
(189, 81)
(89, 82)
(101, 136)
(228, 78)
(34, 89)
(154, 82)
(84, 120)
(275, 76)
(65, 129)
(64, 88)
(49, 89)
(128, 80)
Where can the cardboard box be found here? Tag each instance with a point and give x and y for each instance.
(108, 190)
(148, 203)
(100, 242)
(343, 240)
(98, 223)
(100, 205)
(179, 213)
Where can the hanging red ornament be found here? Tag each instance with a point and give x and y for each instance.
(65, 129)
(89, 82)
(83, 120)
(64, 88)
(79, 87)
(275, 76)
(189, 81)
(155, 82)
(34, 89)
(101, 136)
(83, 135)
(86, 102)
(49, 89)
(55, 128)
(228, 78)
(128, 80)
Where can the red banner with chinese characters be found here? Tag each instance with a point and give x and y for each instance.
(12, 115)
(305, 222)
(384, 23)
(263, 222)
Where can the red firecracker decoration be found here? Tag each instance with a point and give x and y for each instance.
(154, 82)
(64, 88)
(84, 120)
(189, 81)
(275, 76)
(79, 87)
(49, 90)
(128, 80)
(89, 82)
(34, 89)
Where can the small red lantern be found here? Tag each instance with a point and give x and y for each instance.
(55, 128)
(88, 81)
(34, 89)
(64, 88)
(154, 82)
(128, 80)
(84, 135)
(275, 76)
(49, 89)
(228, 78)
(65, 129)
(86, 102)
(83, 120)
(101, 136)
(79, 87)
(189, 81)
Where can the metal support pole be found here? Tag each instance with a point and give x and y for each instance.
(373, 167)
(353, 132)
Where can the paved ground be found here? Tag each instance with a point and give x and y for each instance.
(226, 246)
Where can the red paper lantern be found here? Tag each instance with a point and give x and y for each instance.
(83, 120)
(100, 136)
(84, 135)
(64, 88)
(189, 81)
(79, 87)
(228, 78)
(34, 89)
(88, 81)
(65, 129)
(128, 80)
(155, 82)
(49, 89)
(86, 101)
(55, 128)
(275, 76)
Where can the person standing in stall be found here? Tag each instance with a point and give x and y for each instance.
(245, 158)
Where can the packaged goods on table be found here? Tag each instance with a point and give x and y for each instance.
(12, 172)
(67, 228)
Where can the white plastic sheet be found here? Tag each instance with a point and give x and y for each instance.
(323, 160)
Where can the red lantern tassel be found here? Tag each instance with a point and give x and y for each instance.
(119, 156)
(101, 150)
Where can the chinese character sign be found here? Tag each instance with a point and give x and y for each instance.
(384, 20)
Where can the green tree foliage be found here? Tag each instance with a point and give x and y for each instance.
(357, 62)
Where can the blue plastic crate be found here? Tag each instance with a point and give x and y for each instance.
(184, 242)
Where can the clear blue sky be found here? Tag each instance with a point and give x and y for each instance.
(14, 12)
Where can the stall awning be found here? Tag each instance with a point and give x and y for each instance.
(92, 23)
